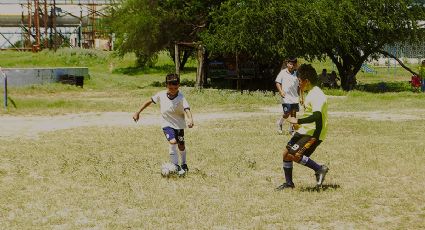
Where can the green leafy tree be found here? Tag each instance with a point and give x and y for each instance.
(146, 27)
(347, 31)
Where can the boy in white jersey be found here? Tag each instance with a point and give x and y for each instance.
(174, 107)
(287, 85)
(310, 129)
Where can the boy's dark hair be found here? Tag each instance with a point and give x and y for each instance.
(306, 71)
(172, 78)
(289, 59)
(292, 59)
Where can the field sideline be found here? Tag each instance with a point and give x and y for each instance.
(108, 177)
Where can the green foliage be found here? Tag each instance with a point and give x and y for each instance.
(147, 27)
(346, 31)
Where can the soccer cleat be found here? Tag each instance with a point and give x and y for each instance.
(285, 185)
(185, 168)
(181, 173)
(178, 168)
(320, 175)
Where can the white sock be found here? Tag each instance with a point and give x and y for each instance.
(174, 158)
(183, 155)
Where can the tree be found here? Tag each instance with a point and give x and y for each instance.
(347, 31)
(146, 27)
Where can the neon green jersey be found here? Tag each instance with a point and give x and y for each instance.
(315, 101)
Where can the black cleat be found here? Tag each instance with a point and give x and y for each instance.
(285, 185)
(185, 168)
(178, 168)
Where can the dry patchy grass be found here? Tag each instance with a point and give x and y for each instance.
(108, 178)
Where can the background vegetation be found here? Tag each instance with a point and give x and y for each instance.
(345, 31)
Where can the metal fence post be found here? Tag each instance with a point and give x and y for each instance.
(5, 87)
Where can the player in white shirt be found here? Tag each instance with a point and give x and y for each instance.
(174, 107)
(287, 85)
(310, 129)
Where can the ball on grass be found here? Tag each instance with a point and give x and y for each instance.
(168, 169)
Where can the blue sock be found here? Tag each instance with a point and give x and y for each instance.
(311, 164)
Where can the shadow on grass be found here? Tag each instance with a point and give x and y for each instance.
(322, 188)
(384, 87)
(150, 70)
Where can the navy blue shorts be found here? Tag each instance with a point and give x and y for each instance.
(287, 108)
(177, 134)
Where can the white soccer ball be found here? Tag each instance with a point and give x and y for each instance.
(167, 169)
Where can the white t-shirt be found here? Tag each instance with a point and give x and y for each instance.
(172, 110)
(290, 85)
(315, 101)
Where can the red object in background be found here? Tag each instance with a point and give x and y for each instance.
(416, 81)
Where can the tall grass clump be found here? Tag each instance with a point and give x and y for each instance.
(78, 57)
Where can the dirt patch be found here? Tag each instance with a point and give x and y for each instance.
(31, 126)
(401, 115)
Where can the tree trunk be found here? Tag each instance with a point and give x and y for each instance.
(348, 67)
(183, 60)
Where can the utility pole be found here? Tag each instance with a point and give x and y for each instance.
(55, 35)
(46, 43)
(36, 47)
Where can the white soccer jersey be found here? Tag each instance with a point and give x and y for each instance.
(172, 110)
(290, 84)
(315, 101)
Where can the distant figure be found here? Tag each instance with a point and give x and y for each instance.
(416, 82)
(422, 69)
(333, 80)
(324, 78)
(287, 85)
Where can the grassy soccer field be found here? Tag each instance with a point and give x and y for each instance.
(108, 177)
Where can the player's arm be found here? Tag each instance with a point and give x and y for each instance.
(189, 119)
(136, 115)
(279, 88)
(316, 117)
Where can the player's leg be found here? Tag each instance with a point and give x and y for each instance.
(287, 165)
(171, 137)
(301, 151)
(321, 172)
(281, 120)
(294, 108)
(182, 149)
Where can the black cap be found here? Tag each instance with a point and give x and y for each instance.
(172, 78)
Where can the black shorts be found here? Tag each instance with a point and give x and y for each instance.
(299, 141)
